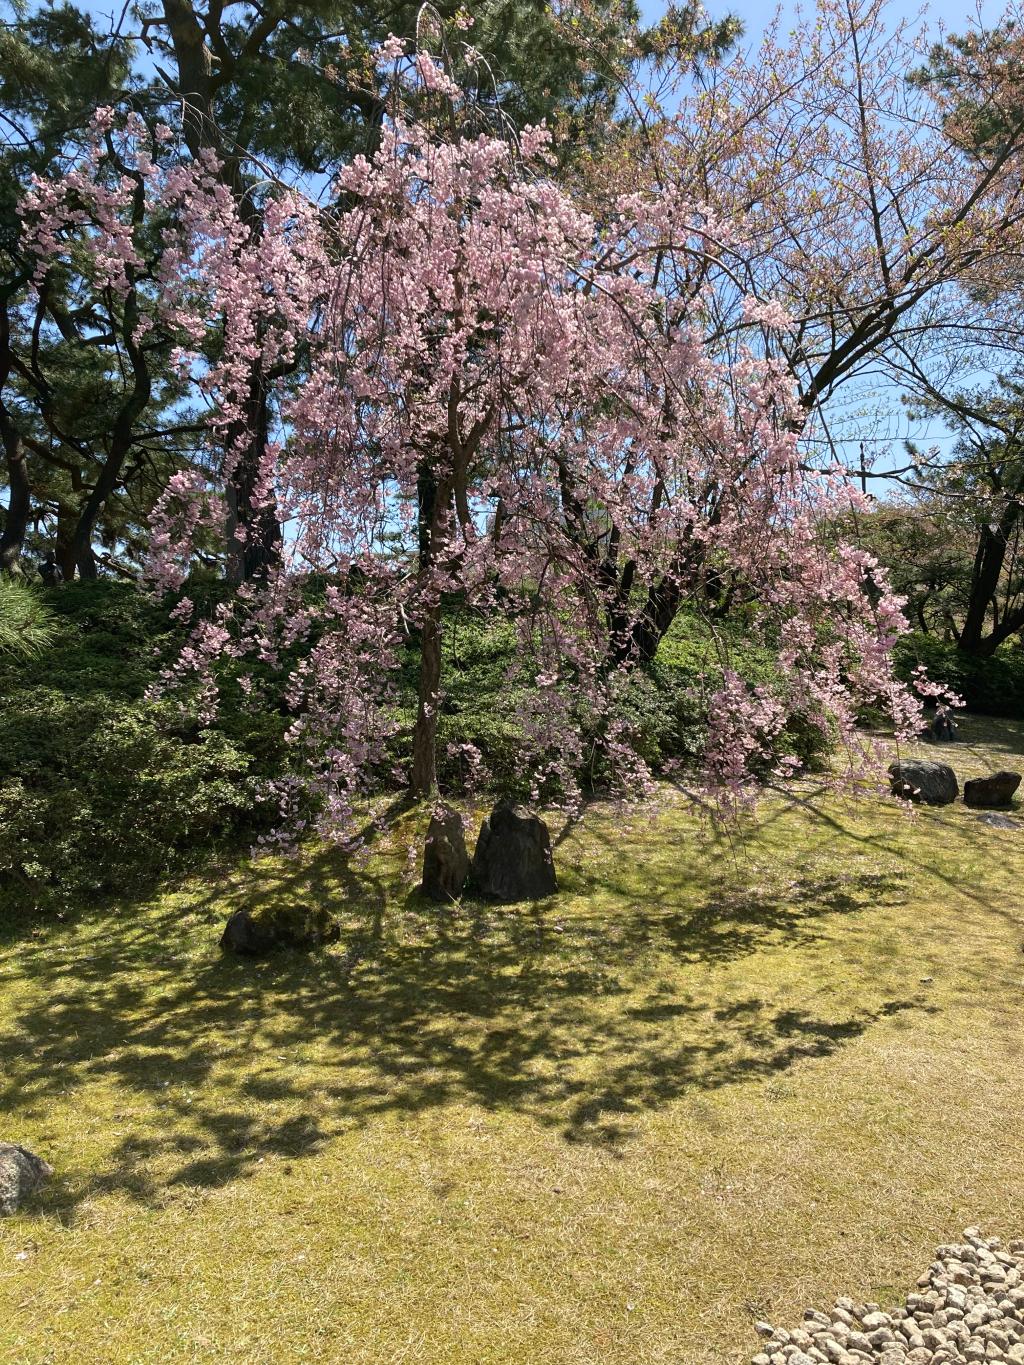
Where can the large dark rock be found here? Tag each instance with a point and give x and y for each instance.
(445, 860)
(916, 779)
(512, 860)
(995, 790)
(21, 1174)
(251, 933)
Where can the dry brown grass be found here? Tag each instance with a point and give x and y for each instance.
(711, 1081)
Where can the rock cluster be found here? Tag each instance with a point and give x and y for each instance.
(995, 790)
(919, 779)
(511, 862)
(445, 860)
(969, 1307)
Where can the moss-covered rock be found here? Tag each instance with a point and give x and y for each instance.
(251, 933)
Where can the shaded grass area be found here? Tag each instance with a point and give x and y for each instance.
(714, 1079)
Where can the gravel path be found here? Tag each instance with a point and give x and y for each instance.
(969, 1307)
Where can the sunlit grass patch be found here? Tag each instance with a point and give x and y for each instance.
(715, 1078)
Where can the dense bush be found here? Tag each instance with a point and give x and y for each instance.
(994, 685)
(26, 625)
(101, 790)
(688, 670)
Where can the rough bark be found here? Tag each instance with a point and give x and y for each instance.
(434, 499)
(121, 438)
(423, 778)
(19, 499)
(64, 549)
(993, 542)
(260, 545)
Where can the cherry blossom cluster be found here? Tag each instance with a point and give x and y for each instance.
(481, 391)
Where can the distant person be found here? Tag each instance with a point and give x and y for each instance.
(50, 571)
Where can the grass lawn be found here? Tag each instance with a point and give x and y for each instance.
(712, 1080)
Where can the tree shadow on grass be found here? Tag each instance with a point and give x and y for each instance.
(959, 827)
(219, 1064)
(772, 1043)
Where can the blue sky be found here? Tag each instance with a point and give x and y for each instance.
(755, 16)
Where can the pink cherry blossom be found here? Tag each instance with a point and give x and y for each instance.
(499, 397)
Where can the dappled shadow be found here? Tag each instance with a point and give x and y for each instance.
(958, 827)
(771, 1041)
(578, 1024)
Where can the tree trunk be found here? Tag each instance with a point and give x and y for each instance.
(661, 607)
(19, 503)
(663, 599)
(433, 500)
(19, 500)
(64, 550)
(82, 555)
(260, 547)
(123, 432)
(423, 779)
(988, 566)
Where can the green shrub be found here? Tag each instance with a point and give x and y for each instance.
(993, 685)
(664, 706)
(102, 791)
(690, 667)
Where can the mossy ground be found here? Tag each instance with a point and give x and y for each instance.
(713, 1080)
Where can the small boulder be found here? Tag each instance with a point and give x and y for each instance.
(21, 1174)
(941, 727)
(996, 790)
(251, 933)
(512, 861)
(445, 860)
(916, 779)
(998, 821)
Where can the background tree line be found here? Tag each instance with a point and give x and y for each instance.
(871, 236)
